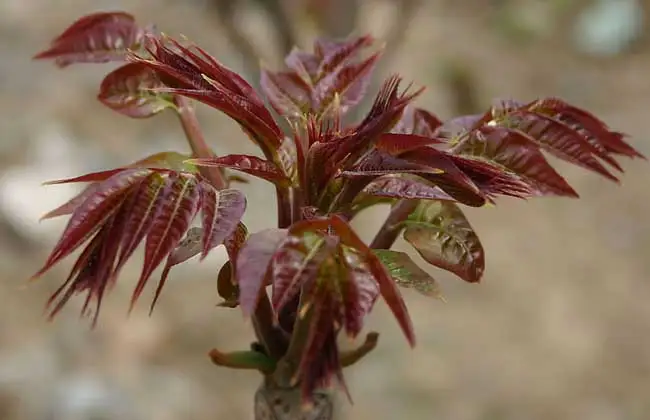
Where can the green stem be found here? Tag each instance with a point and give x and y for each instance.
(389, 231)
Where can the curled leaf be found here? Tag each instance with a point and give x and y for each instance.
(130, 90)
(441, 234)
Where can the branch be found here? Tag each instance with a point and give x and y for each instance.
(388, 232)
(200, 148)
(269, 336)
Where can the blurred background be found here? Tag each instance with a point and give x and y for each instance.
(559, 329)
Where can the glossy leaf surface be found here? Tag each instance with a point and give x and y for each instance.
(131, 206)
(130, 90)
(96, 38)
(441, 234)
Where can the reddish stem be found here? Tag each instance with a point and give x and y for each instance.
(268, 336)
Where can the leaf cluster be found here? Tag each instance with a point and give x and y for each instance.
(310, 277)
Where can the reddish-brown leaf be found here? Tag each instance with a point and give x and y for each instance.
(396, 144)
(405, 187)
(297, 262)
(287, 93)
(253, 264)
(191, 72)
(178, 206)
(389, 291)
(130, 90)
(96, 38)
(130, 206)
(518, 153)
(358, 289)
(221, 212)
(227, 286)
(561, 140)
(96, 209)
(383, 115)
(595, 130)
(441, 234)
(252, 165)
(341, 90)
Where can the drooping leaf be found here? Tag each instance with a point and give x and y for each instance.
(130, 90)
(252, 165)
(96, 38)
(187, 248)
(407, 273)
(595, 130)
(163, 160)
(441, 234)
(253, 264)
(518, 153)
(132, 205)
(93, 213)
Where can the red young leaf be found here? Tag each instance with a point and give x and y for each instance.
(222, 211)
(561, 140)
(287, 93)
(441, 234)
(396, 144)
(93, 213)
(178, 207)
(596, 131)
(320, 358)
(359, 290)
(127, 207)
(163, 160)
(518, 153)
(297, 262)
(405, 187)
(331, 79)
(129, 90)
(96, 38)
(191, 72)
(387, 287)
(383, 115)
(253, 264)
(252, 165)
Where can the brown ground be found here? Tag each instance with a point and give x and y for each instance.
(558, 330)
